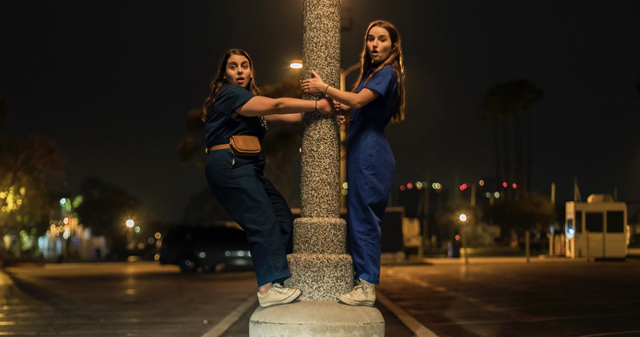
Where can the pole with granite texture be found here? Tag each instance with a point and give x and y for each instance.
(319, 265)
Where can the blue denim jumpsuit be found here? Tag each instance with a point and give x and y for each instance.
(242, 189)
(370, 169)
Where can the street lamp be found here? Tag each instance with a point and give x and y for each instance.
(129, 223)
(463, 218)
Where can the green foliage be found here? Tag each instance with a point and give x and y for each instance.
(523, 214)
(28, 170)
(104, 209)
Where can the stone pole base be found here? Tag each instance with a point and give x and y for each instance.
(316, 318)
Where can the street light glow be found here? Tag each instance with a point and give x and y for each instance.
(463, 217)
(129, 223)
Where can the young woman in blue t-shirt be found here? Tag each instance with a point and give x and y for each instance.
(377, 98)
(233, 107)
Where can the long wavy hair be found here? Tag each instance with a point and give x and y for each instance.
(220, 79)
(395, 59)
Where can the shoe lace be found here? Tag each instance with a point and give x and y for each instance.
(278, 288)
(361, 288)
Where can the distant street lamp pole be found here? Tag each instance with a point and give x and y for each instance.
(129, 223)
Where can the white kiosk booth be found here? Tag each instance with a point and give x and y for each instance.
(596, 229)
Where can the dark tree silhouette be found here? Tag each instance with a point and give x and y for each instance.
(504, 102)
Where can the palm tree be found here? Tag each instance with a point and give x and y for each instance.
(505, 101)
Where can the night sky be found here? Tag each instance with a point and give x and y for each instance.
(112, 81)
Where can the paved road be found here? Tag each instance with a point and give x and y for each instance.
(507, 297)
(488, 297)
(116, 299)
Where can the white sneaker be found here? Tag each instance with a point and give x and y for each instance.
(364, 293)
(278, 295)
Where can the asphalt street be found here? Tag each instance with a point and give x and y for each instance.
(436, 297)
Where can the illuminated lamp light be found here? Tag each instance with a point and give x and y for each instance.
(419, 184)
(457, 237)
(488, 195)
(481, 183)
(66, 220)
(296, 64)
(402, 188)
(409, 185)
(496, 195)
(504, 184)
(514, 185)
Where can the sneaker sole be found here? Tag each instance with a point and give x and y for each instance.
(356, 303)
(289, 299)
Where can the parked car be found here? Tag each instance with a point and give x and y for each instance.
(634, 245)
(205, 248)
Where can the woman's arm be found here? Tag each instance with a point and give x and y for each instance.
(263, 106)
(351, 99)
(288, 118)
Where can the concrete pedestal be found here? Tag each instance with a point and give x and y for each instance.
(316, 318)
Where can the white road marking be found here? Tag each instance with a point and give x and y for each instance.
(232, 317)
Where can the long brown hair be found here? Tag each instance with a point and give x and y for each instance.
(395, 59)
(219, 80)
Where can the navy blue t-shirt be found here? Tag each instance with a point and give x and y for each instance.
(222, 122)
(382, 108)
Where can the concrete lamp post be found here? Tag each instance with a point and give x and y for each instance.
(319, 265)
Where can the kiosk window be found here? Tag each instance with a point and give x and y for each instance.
(594, 221)
(578, 226)
(615, 222)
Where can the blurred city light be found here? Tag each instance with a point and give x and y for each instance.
(129, 223)
(496, 195)
(463, 217)
(504, 184)
(481, 183)
(409, 185)
(402, 188)
(296, 64)
(514, 185)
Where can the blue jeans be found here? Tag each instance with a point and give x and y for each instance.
(254, 203)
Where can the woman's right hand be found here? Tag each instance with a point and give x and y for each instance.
(313, 84)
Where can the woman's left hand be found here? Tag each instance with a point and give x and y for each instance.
(313, 84)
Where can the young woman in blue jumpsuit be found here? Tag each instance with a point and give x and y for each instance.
(378, 98)
(233, 107)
